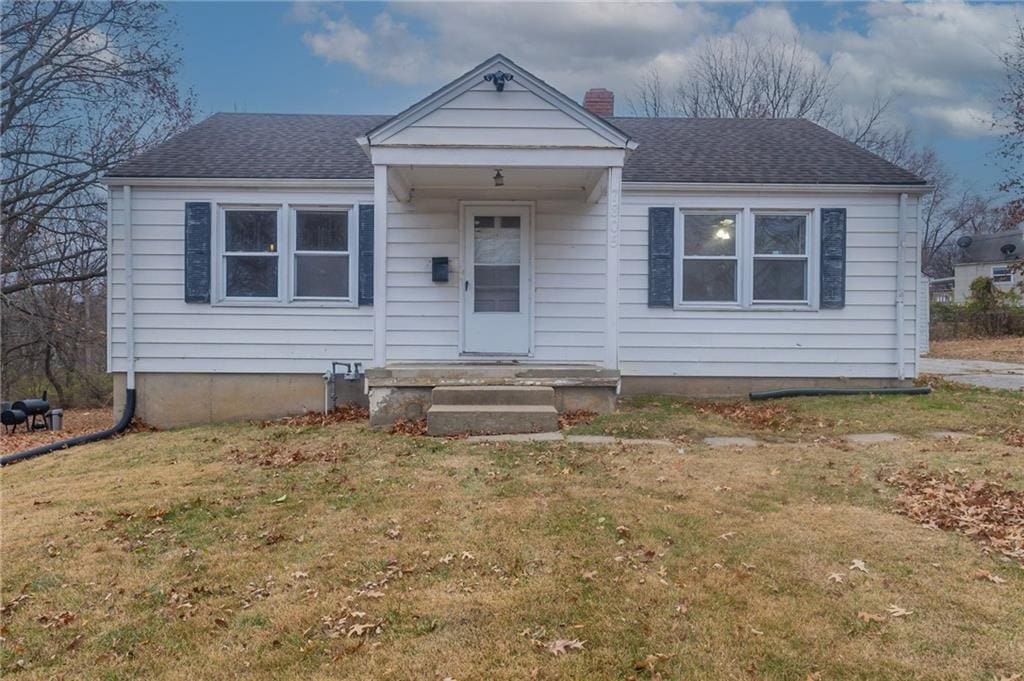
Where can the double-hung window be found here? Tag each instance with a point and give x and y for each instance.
(275, 254)
(710, 261)
(781, 262)
(1002, 274)
(745, 258)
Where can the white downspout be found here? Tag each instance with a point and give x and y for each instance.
(901, 371)
(129, 294)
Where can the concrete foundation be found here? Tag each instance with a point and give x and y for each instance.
(740, 386)
(171, 400)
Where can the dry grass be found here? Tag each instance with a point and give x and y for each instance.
(300, 551)
(1000, 349)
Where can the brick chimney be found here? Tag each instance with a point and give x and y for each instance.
(599, 101)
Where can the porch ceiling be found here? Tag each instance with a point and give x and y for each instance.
(469, 182)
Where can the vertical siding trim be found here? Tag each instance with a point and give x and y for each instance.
(380, 265)
(614, 205)
(901, 285)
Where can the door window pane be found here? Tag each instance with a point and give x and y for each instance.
(709, 280)
(251, 276)
(321, 276)
(321, 230)
(780, 279)
(496, 288)
(709, 234)
(780, 234)
(496, 240)
(253, 231)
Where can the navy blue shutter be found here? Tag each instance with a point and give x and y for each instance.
(833, 258)
(198, 238)
(660, 257)
(365, 255)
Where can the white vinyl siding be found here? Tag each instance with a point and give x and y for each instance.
(172, 336)
(483, 117)
(858, 340)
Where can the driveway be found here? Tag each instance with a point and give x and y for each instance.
(978, 372)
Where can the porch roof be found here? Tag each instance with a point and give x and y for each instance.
(686, 150)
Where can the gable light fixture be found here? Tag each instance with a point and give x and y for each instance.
(499, 78)
(499, 179)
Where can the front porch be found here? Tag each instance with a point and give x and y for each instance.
(407, 391)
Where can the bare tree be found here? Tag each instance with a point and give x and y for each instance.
(649, 97)
(1010, 120)
(83, 86)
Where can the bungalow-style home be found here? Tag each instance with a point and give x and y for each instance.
(987, 255)
(498, 252)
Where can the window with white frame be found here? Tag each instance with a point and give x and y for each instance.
(269, 254)
(1002, 274)
(322, 254)
(780, 256)
(745, 258)
(251, 258)
(710, 268)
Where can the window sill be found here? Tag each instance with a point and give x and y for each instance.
(337, 304)
(690, 307)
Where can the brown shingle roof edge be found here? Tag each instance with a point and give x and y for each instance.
(671, 150)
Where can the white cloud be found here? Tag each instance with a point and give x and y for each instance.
(939, 59)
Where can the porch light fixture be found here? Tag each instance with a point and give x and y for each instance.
(499, 179)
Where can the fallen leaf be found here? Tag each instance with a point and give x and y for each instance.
(897, 611)
(280, 499)
(562, 646)
(589, 575)
(858, 564)
(985, 575)
(835, 577)
(868, 617)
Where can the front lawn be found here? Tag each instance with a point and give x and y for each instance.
(291, 551)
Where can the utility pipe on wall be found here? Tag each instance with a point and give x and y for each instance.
(901, 372)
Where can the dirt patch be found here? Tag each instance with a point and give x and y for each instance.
(346, 413)
(773, 417)
(981, 509)
(998, 349)
(579, 417)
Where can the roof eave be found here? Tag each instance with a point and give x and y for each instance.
(779, 187)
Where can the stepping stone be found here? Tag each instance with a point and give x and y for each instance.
(590, 439)
(952, 434)
(517, 437)
(646, 441)
(871, 438)
(731, 441)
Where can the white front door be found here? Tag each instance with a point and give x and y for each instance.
(496, 280)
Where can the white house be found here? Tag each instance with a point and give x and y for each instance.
(498, 233)
(990, 256)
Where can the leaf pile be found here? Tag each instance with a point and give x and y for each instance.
(774, 417)
(409, 427)
(576, 417)
(76, 422)
(1014, 437)
(345, 413)
(980, 509)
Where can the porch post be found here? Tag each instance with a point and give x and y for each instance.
(614, 205)
(380, 259)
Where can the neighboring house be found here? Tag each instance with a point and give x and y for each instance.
(497, 232)
(987, 255)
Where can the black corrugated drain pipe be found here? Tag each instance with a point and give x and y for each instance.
(119, 427)
(822, 392)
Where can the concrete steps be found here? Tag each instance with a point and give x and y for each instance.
(491, 410)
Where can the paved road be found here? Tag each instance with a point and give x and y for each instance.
(976, 372)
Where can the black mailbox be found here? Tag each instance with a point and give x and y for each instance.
(439, 269)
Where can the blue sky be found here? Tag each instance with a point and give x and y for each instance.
(940, 60)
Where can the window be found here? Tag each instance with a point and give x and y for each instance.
(1002, 274)
(496, 250)
(281, 253)
(710, 264)
(743, 258)
(780, 258)
(250, 253)
(321, 254)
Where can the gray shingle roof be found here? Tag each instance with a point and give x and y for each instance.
(779, 151)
